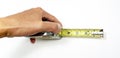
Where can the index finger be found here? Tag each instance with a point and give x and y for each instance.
(50, 17)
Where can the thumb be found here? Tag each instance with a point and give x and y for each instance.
(51, 27)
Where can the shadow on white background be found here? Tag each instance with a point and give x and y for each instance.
(26, 48)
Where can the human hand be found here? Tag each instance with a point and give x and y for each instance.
(30, 22)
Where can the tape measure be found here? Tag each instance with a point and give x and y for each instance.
(77, 33)
(85, 33)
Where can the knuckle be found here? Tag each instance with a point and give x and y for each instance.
(37, 9)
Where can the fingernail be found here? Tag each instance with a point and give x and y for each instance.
(59, 26)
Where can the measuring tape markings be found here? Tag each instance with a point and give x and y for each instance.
(86, 33)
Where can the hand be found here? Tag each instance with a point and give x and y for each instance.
(30, 22)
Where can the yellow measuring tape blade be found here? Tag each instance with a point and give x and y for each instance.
(80, 33)
(84, 33)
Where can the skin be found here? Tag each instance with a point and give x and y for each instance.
(29, 22)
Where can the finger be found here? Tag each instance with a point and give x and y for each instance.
(51, 17)
(32, 40)
(51, 27)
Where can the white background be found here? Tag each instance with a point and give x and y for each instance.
(73, 14)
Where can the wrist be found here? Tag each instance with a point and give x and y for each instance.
(3, 28)
(8, 27)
